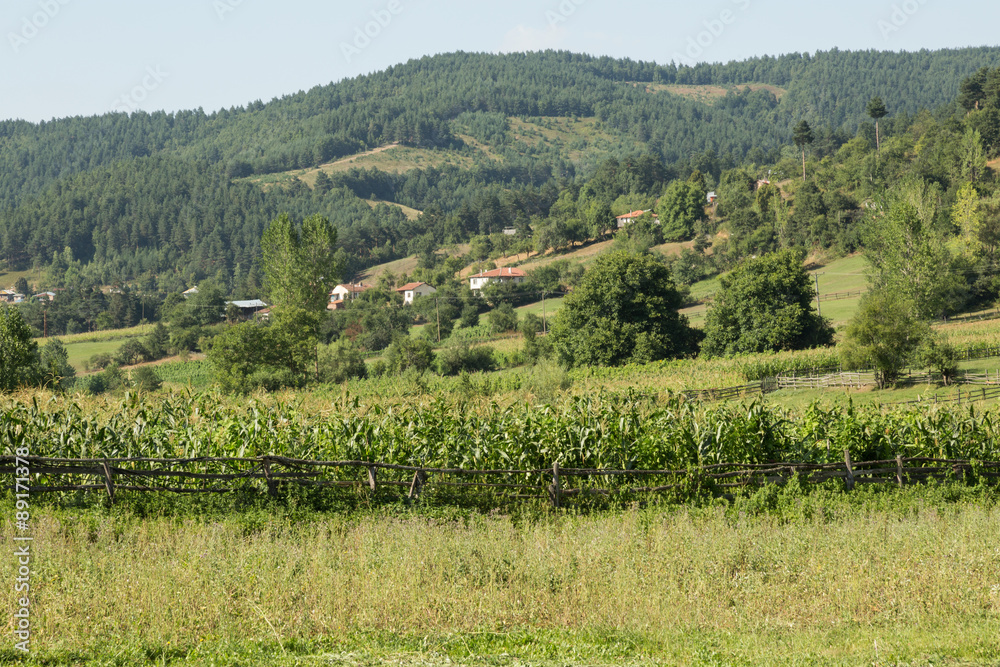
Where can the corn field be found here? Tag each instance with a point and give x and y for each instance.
(605, 431)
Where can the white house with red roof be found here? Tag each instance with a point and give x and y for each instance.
(411, 291)
(341, 294)
(504, 274)
(633, 216)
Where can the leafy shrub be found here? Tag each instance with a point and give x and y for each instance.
(939, 356)
(185, 339)
(503, 319)
(341, 361)
(113, 376)
(405, 353)
(546, 381)
(92, 384)
(101, 360)
(454, 360)
(144, 378)
(469, 317)
(131, 352)
(157, 342)
(56, 370)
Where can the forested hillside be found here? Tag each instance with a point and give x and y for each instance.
(167, 194)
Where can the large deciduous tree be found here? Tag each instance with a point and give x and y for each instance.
(680, 207)
(300, 268)
(19, 361)
(908, 256)
(883, 335)
(624, 310)
(765, 304)
(300, 265)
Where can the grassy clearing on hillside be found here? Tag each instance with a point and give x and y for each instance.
(581, 140)
(78, 353)
(708, 94)
(407, 264)
(82, 346)
(398, 160)
(843, 275)
(9, 278)
(551, 307)
(392, 158)
(410, 213)
(105, 335)
(877, 577)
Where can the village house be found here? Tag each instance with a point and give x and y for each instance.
(249, 307)
(711, 197)
(633, 216)
(10, 296)
(188, 292)
(341, 294)
(502, 275)
(411, 291)
(44, 296)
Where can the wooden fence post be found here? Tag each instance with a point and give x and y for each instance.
(109, 483)
(899, 470)
(554, 491)
(419, 477)
(850, 471)
(272, 486)
(372, 475)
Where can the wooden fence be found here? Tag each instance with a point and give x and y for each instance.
(555, 484)
(836, 377)
(862, 378)
(724, 393)
(834, 296)
(840, 379)
(956, 395)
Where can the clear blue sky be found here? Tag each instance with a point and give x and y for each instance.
(80, 57)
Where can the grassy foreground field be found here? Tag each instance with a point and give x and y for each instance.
(880, 577)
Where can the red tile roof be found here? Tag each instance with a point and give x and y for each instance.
(358, 288)
(633, 214)
(502, 272)
(408, 286)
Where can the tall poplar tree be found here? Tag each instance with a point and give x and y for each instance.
(876, 110)
(803, 136)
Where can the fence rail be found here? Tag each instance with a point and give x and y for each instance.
(836, 377)
(270, 473)
(834, 296)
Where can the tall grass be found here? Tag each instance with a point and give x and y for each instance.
(818, 578)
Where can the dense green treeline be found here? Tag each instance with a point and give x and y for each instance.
(413, 102)
(162, 194)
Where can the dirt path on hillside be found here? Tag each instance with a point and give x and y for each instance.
(352, 158)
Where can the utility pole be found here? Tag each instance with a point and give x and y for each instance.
(437, 312)
(818, 311)
(45, 323)
(543, 313)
